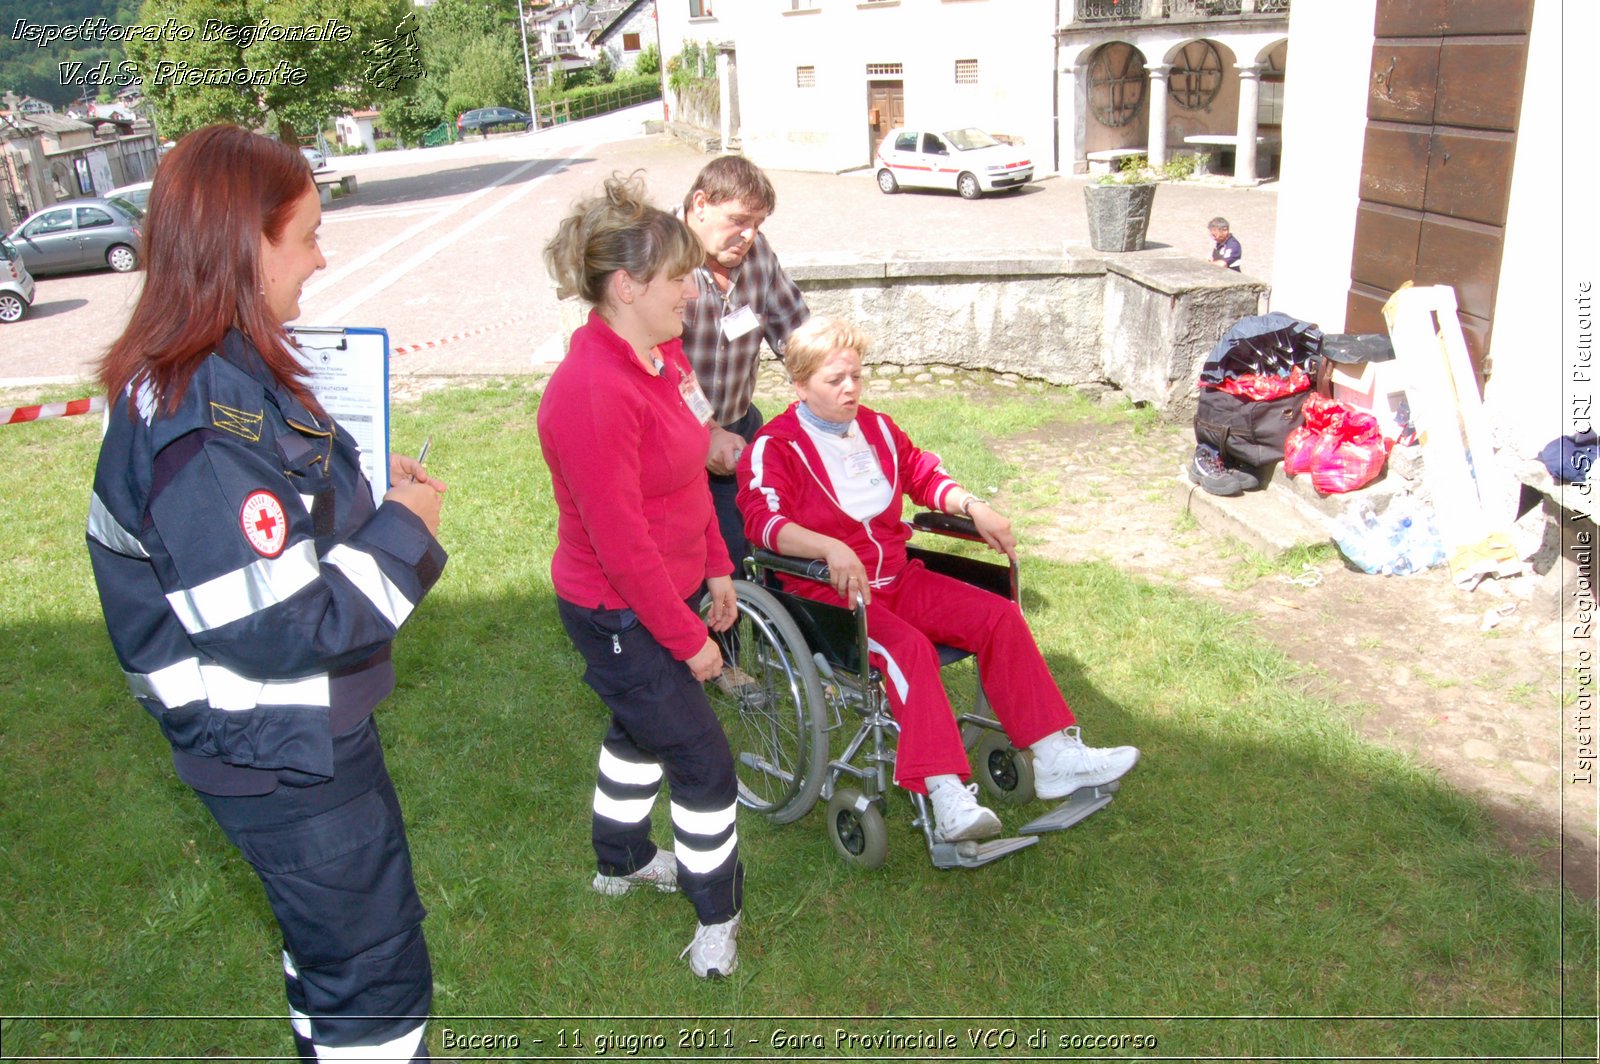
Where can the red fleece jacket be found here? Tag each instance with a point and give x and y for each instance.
(635, 527)
(782, 479)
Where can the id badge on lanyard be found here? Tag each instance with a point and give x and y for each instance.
(694, 398)
(860, 463)
(739, 322)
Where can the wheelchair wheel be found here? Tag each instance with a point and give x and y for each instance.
(1003, 771)
(769, 699)
(856, 829)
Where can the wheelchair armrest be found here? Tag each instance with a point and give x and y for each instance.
(807, 568)
(946, 525)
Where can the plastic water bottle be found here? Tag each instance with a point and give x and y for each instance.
(1363, 541)
(1400, 561)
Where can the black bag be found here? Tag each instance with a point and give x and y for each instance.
(1248, 432)
(1252, 432)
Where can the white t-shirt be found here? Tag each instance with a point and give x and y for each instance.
(858, 480)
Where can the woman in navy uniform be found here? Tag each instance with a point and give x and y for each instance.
(252, 586)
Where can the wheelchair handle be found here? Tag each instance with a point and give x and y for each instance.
(946, 525)
(808, 568)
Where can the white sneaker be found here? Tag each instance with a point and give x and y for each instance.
(1062, 764)
(713, 952)
(957, 816)
(661, 873)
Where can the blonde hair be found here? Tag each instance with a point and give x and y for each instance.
(810, 345)
(615, 230)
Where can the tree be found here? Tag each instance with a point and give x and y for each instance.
(408, 117)
(489, 74)
(473, 54)
(240, 65)
(605, 71)
(649, 61)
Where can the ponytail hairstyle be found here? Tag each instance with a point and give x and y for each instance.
(615, 230)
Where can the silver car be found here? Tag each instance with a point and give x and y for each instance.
(16, 284)
(81, 234)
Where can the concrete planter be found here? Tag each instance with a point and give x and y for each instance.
(1119, 215)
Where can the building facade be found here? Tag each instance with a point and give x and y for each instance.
(815, 84)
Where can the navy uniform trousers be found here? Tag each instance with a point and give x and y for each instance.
(661, 723)
(337, 870)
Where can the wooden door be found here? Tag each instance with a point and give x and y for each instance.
(886, 109)
(1443, 98)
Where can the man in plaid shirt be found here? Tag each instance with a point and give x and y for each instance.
(745, 297)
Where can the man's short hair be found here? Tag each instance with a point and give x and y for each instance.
(733, 177)
(1219, 222)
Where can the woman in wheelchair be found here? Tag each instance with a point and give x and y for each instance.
(825, 480)
(636, 538)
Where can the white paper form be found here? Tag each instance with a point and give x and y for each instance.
(350, 377)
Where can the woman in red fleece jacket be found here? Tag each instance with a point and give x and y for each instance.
(825, 480)
(622, 428)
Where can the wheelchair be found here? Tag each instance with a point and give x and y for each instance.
(798, 671)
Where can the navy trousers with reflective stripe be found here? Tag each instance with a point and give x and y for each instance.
(335, 863)
(660, 716)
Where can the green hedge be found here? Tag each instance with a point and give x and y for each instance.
(592, 100)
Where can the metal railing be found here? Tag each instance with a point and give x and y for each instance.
(1186, 10)
(588, 105)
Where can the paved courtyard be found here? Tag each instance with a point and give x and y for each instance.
(443, 245)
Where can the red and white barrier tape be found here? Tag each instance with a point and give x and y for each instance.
(16, 415)
(428, 345)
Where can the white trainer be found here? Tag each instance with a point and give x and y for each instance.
(713, 952)
(1062, 764)
(661, 873)
(957, 816)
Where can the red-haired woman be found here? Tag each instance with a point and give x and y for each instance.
(252, 588)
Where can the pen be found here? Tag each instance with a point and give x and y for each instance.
(422, 455)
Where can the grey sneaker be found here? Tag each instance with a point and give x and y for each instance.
(1207, 470)
(713, 952)
(957, 816)
(1071, 765)
(661, 873)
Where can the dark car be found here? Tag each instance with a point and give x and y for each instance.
(81, 234)
(484, 119)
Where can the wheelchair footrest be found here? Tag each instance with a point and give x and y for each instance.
(976, 854)
(1081, 803)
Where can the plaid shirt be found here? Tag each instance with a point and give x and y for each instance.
(726, 369)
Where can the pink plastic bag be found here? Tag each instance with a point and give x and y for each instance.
(1342, 448)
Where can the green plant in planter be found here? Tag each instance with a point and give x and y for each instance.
(1118, 206)
(1133, 170)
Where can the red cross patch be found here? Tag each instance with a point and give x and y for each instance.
(265, 524)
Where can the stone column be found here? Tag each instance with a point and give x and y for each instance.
(1156, 144)
(1244, 157)
(728, 95)
(1075, 83)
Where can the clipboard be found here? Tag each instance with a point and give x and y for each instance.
(349, 375)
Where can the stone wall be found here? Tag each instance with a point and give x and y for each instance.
(1142, 321)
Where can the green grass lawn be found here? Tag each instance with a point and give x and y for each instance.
(1266, 885)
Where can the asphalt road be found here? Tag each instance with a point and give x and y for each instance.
(442, 246)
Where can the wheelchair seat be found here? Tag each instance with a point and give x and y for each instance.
(797, 669)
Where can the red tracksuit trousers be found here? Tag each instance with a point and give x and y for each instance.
(904, 622)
